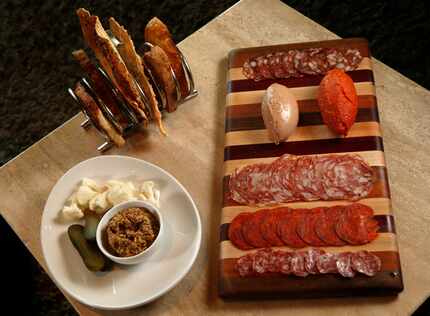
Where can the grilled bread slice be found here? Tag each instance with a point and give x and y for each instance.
(110, 60)
(97, 117)
(134, 64)
(159, 64)
(157, 33)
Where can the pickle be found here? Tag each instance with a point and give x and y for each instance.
(90, 229)
(93, 258)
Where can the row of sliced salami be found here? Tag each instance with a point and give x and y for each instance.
(339, 225)
(302, 178)
(304, 263)
(299, 62)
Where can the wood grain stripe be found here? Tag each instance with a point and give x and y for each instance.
(305, 119)
(386, 225)
(308, 147)
(302, 93)
(373, 158)
(384, 242)
(254, 109)
(302, 133)
(380, 206)
(238, 82)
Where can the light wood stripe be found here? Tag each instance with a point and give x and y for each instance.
(384, 242)
(380, 206)
(302, 133)
(302, 93)
(373, 158)
(236, 73)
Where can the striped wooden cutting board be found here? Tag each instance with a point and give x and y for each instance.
(247, 142)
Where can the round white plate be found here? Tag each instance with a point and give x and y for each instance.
(125, 286)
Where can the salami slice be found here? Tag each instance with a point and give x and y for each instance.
(325, 226)
(244, 265)
(356, 226)
(276, 260)
(268, 228)
(326, 263)
(262, 261)
(298, 264)
(311, 258)
(344, 265)
(306, 227)
(288, 229)
(285, 262)
(235, 231)
(366, 263)
(251, 230)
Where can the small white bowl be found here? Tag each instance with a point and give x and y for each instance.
(112, 212)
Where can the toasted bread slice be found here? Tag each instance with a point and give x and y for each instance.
(159, 64)
(134, 64)
(97, 116)
(157, 33)
(102, 89)
(110, 60)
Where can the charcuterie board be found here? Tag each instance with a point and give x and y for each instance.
(247, 142)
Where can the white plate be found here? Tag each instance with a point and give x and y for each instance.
(124, 287)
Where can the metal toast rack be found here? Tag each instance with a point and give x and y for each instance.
(129, 122)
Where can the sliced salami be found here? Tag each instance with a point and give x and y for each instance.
(325, 226)
(251, 230)
(268, 228)
(235, 231)
(311, 258)
(366, 263)
(244, 265)
(344, 265)
(262, 261)
(285, 262)
(298, 264)
(306, 227)
(326, 263)
(288, 229)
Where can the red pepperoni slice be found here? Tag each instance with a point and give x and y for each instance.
(325, 226)
(244, 265)
(235, 231)
(344, 265)
(298, 264)
(288, 229)
(326, 263)
(251, 230)
(268, 228)
(366, 263)
(262, 261)
(306, 227)
(356, 226)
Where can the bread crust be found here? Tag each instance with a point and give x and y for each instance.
(97, 117)
(157, 33)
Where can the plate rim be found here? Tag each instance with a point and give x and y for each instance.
(154, 297)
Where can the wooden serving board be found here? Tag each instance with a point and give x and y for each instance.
(247, 142)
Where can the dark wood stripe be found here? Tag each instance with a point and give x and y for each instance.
(238, 56)
(386, 282)
(252, 110)
(308, 147)
(305, 119)
(386, 225)
(363, 75)
(380, 187)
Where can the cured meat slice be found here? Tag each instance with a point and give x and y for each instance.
(288, 229)
(235, 231)
(284, 261)
(327, 263)
(298, 264)
(281, 176)
(344, 265)
(356, 225)
(244, 265)
(366, 263)
(311, 258)
(325, 226)
(268, 228)
(251, 230)
(276, 260)
(262, 261)
(276, 65)
(306, 227)
(304, 182)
